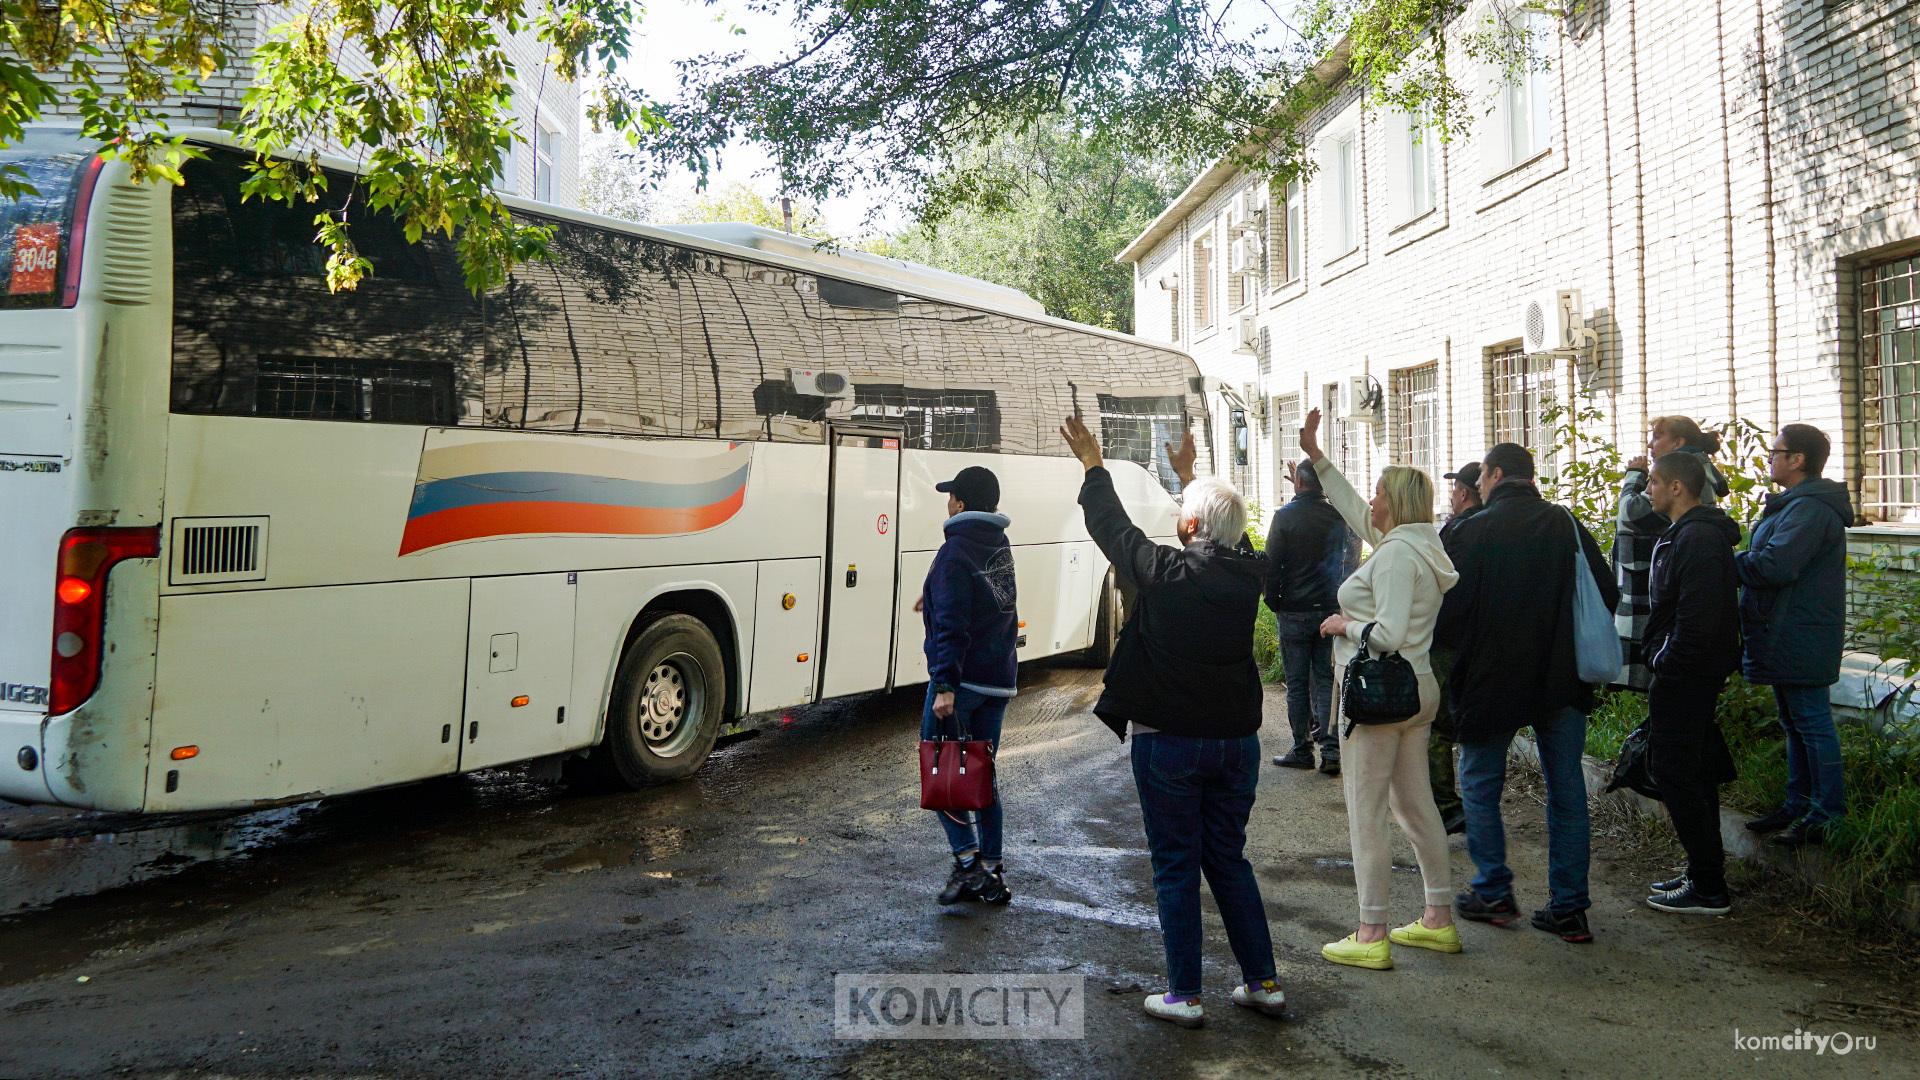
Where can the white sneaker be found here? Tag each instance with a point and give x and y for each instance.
(1266, 998)
(1187, 1014)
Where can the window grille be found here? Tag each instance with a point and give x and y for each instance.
(946, 419)
(1137, 429)
(1416, 398)
(1337, 437)
(320, 388)
(1890, 390)
(1520, 387)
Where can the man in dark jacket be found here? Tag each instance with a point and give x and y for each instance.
(1692, 644)
(1509, 621)
(972, 670)
(1464, 502)
(1793, 613)
(1310, 551)
(1183, 678)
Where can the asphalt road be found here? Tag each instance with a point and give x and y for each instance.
(493, 926)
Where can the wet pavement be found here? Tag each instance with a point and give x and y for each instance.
(493, 925)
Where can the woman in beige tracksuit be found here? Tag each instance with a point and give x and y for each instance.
(1397, 592)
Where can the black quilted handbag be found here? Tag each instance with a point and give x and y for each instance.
(1378, 689)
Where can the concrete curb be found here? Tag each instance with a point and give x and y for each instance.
(1805, 864)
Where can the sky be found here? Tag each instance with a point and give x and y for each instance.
(677, 29)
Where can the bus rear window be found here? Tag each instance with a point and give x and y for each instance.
(35, 229)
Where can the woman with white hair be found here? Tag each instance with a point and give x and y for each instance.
(1183, 680)
(1389, 605)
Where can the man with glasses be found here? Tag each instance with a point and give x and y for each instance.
(1793, 615)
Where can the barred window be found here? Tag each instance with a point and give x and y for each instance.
(1416, 429)
(1137, 429)
(322, 388)
(1890, 390)
(1337, 437)
(1519, 388)
(945, 419)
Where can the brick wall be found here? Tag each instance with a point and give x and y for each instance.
(1718, 170)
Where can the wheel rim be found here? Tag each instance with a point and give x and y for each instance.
(672, 702)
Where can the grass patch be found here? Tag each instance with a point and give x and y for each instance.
(1872, 855)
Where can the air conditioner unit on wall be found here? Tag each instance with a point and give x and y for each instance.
(1249, 334)
(1244, 254)
(1552, 320)
(825, 384)
(1360, 400)
(1256, 402)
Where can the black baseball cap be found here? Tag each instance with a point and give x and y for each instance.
(1468, 476)
(975, 486)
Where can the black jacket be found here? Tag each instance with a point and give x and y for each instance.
(1794, 608)
(1510, 617)
(1184, 662)
(1693, 628)
(1310, 551)
(972, 627)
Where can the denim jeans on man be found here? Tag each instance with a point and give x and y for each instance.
(1307, 657)
(1814, 784)
(1483, 775)
(978, 716)
(1195, 796)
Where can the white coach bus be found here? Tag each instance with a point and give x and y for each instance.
(260, 543)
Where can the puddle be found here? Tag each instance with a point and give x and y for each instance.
(36, 872)
(592, 857)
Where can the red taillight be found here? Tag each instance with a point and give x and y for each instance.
(80, 606)
(77, 235)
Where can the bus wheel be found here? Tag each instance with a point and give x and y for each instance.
(1108, 619)
(669, 700)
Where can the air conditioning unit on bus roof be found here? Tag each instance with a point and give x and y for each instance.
(822, 383)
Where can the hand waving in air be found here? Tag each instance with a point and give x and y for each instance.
(1310, 436)
(1081, 441)
(1182, 459)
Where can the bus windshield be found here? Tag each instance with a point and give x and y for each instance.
(35, 228)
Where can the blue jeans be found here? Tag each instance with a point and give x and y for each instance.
(1483, 776)
(1195, 796)
(979, 715)
(1814, 783)
(1308, 660)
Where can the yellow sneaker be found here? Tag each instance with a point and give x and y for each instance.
(1415, 935)
(1377, 955)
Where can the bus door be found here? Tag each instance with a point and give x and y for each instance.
(863, 513)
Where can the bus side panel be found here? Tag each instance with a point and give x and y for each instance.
(786, 638)
(609, 601)
(304, 692)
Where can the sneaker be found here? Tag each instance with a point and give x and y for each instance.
(1297, 758)
(1773, 822)
(1688, 900)
(1570, 927)
(1471, 905)
(1377, 955)
(1672, 884)
(1330, 764)
(964, 883)
(993, 887)
(1267, 998)
(1187, 1013)
(1419, 935)
(1800, 834)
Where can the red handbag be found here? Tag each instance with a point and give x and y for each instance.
(956, 773)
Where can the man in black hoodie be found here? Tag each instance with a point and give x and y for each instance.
(1184, 680)
(1310, 551)
(1692, 645)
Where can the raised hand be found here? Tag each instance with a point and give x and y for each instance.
(1081, 441)
(1310, 436)
(1182, 459)
(1638, 463)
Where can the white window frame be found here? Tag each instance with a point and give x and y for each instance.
(1889, 401)
(1415, 164)
(1286, 234)
(543, 159)
(1520, 125)
(1340, 198)
(1204, 315)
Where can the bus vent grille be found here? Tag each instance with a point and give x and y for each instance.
(212, 550)
(126, 269)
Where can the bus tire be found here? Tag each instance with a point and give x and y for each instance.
(1109, 617)
(669, 703)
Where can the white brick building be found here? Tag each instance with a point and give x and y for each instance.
(544, 165)
(1733, 186)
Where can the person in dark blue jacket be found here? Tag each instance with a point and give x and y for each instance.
(973, 631)
(1793, 614)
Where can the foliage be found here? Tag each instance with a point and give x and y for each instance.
(1883, 592)
(1872, 853)
(420, 94)
(611, 184)
(740, 202)
(1060, 206)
